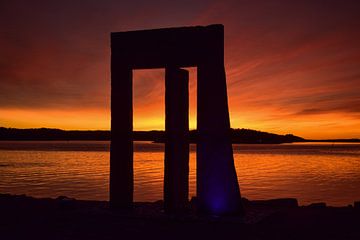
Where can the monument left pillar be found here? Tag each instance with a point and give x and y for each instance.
(121, 148)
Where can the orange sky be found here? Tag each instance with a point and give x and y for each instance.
(292, 66)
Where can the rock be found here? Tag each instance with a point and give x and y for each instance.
(66, 203)
(65, 198)
(317, 205)
(357, 205)
(278, 203)
(245, 202)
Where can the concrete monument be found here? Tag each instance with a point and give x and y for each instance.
(174, 48)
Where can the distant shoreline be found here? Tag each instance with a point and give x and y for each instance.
(241, 136)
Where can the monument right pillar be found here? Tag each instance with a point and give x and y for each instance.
(217, 185)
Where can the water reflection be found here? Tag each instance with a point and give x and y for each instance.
(311, 172)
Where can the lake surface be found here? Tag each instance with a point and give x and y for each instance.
(310, 172)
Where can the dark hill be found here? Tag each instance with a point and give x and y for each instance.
(252, 136)
(45, 134)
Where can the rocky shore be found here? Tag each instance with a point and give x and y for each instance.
(23, 217)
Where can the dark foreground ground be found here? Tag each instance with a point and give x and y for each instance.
(24, 217)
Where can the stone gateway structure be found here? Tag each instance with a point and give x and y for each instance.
(173, 48)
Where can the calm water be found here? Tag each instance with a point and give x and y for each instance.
(79, 169)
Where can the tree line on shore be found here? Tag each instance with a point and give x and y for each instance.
(46, 134)
(246, 136)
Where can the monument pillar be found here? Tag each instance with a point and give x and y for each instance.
(217, 186)
(176, 180)
(121, 147)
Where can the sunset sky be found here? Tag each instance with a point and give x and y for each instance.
(292, 66)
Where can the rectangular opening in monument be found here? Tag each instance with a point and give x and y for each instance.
(148, 115)
(192, 127)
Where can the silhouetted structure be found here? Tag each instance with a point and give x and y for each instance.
(217, 186)
(176, 177)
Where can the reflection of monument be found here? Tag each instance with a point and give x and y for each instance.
(173, 48)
